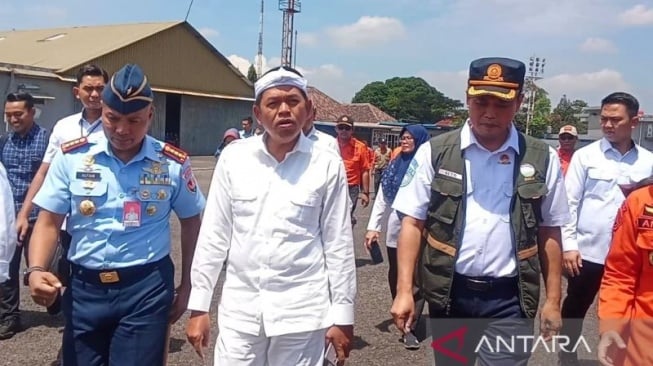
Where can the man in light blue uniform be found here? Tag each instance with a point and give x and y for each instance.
(119, 192)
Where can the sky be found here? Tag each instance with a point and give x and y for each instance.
(591, 47)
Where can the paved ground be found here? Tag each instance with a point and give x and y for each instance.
(376, 340)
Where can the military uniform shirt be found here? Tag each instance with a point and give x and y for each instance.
(485, 248)
(91, 172)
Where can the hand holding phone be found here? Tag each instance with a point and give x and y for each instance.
(375, 252)
(330, 356)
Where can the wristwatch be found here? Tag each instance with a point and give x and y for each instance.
(29, 270)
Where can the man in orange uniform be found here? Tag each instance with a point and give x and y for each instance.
(567, 138)
(626, 294)
(356, 157)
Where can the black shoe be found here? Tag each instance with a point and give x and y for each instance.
(9, 328)
(410, 341)
(55, 308)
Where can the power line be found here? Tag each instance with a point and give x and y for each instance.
(188, 11)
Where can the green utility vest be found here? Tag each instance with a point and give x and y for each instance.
(446, 214)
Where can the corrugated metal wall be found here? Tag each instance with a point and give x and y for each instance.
(176, 59)
(204, 120)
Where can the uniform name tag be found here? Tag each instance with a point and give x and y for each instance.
(645, 223)
(89, 176)
(131, 214)
(450, 174)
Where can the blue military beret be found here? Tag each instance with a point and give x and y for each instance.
(128, 90)
(496, 76)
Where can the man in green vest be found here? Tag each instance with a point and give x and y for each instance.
(482, 207)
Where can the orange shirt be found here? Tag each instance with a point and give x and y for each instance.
(626, 294)
(565, 158)
(356, 157)
(396, 151)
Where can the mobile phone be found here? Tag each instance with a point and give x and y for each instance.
(375, 252)
(330, 356)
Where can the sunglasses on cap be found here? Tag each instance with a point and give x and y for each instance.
(344, 128)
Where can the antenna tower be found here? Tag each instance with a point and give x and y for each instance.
(259, 56)
(289, 8)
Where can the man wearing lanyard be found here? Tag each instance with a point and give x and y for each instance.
(90, 83)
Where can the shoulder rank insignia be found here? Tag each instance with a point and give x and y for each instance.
(72, 145)
(175, 153)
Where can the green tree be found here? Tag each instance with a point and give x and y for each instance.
(408, 98)
(565, 113)
(251, 74)
(541, 114)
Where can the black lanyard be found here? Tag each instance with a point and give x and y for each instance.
(93, 127)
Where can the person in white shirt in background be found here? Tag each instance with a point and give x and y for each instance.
(595, 178)
(278, 206)
(412, 136)
(8, 238)
(318, 136)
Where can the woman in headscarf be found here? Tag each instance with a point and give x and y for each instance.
(230, 135)
(412, 136)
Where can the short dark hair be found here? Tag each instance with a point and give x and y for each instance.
(625, 99)
(21, 97)
(248, 119)
(91, 70)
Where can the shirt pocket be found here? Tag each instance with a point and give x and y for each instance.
(599, 182)
(88, 191)
(243, 203)
(302, 212)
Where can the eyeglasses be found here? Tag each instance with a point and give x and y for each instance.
(407, 138)
(566, 137)
(344, 128)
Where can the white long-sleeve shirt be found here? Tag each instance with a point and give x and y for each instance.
(8, 236)
(592, 184)
(380, 211)
(286, 228)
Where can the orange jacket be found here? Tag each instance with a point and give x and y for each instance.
(626, 294)
(396, 151)
(356, 157)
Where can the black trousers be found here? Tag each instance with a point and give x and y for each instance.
(10, 289)
(581, 291)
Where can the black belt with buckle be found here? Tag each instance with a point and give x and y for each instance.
(120, 276)
(485, 283)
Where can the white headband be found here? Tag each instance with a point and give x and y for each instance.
(281, 77)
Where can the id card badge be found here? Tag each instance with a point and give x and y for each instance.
(131, 214)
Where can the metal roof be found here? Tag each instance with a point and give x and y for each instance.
(60, 49)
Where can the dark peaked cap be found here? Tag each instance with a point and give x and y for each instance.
(128, 90)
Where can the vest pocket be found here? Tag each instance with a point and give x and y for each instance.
(530, 195)
(445, 200)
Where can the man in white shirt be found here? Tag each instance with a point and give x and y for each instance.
(279, 208)
(320, 137)
(597, 175)
(8, 237)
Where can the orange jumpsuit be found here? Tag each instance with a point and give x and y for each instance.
(626, 294)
